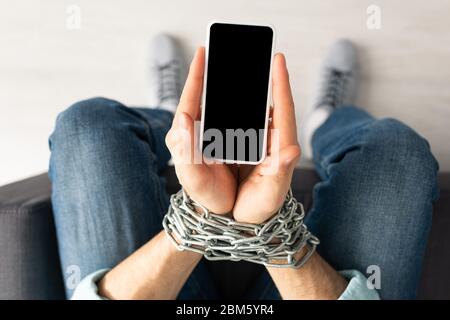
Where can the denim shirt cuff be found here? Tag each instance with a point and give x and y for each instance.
(87, 289)
(357, 288)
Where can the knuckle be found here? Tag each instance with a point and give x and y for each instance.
(169, 139)
(297, 151)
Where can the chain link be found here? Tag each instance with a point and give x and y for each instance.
(191, 226)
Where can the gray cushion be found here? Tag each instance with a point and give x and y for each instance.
(435, 283)
(29, 263)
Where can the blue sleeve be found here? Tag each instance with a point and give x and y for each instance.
(357, 288)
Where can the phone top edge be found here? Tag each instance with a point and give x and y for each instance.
(250, 24)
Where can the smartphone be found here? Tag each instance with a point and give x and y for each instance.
(236, 92)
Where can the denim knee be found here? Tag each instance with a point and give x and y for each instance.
(86, 115)
(402, 147)
(81, 129)
(400, 142)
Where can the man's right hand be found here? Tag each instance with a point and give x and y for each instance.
(211, 185)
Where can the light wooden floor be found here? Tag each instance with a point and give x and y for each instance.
(44, 67)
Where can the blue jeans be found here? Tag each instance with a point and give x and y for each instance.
(373, 206)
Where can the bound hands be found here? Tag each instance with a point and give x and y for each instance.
(251, 193)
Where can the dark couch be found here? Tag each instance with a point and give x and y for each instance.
(29, 262)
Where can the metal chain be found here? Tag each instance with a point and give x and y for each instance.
(274, 243)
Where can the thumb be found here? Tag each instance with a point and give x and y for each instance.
(283, 108)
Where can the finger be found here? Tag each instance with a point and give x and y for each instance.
(283, 109)
(191, 97)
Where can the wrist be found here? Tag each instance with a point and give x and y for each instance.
(315, 280)
(157, 270)
(173, 251)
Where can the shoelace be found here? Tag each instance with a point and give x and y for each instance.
(170, 86)
(336, 85)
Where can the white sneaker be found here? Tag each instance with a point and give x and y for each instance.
(337, 87)
(167, 73)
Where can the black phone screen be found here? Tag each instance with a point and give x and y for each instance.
(238, 71)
